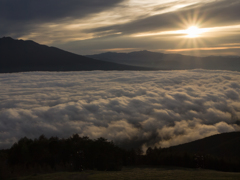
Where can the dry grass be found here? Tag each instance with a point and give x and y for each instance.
(134, 173)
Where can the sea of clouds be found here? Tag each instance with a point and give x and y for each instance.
(132, 108)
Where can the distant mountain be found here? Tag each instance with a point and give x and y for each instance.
(170, 61)
(221, 145)
(19, 55)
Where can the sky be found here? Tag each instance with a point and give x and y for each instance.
(131, 108)
(193, 27)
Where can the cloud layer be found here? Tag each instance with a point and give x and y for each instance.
(134, 109)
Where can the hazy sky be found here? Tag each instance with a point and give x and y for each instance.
(94, 26)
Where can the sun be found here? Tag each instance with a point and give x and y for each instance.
(193, 31)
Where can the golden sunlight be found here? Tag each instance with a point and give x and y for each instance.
(194, 31)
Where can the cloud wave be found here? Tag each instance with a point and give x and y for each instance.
(134, 109)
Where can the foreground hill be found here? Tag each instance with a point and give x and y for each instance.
(19, 55)
(218, 152)
(226, 144)
(170, 61)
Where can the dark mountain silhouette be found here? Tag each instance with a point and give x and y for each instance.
(19, 55)
(220, 145)
(219, 152)
(170, 61)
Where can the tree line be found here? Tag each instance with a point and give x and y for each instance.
(78, 153)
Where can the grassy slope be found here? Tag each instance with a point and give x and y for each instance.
(140, 174)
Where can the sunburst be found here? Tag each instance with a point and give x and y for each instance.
(193, 32)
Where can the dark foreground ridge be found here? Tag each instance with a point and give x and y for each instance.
(220, 145)
(19, 56)
(218, 152)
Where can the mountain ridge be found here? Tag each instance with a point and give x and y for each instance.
(20, 56)
(27, 55)
(170, 61)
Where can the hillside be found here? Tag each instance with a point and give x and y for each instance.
(226, 144)
(170, 61)
(19, 55)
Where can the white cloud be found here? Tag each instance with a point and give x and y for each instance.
(134, 108)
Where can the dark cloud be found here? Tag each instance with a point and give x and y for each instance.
(159, 108)
(19, 17)
(49, 10)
